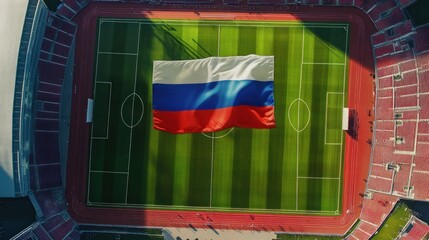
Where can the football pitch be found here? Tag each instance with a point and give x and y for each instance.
(296, 167)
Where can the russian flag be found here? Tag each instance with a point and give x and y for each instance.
(214, 93)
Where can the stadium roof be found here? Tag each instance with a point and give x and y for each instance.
(11, 23)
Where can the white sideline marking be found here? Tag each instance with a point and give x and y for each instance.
(211, 170)
(114, 172)
(335, 64)
(213, 134)
(199, 23)
(321, 178)
(297, 134)
(342, 135)
(182, 207)
(119, 53)
(92, 129)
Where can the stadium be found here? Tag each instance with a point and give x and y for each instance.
(348, 158)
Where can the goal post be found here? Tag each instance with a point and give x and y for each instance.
(346, 119)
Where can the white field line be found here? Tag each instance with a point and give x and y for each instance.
(321, 178)
(119, 53)
(95, 90)
(216, 23)
(213, 134)
(114, 172)
(335, 64)
(183, 207)
(132, 116)
(211, 170)
(342, 135)
(297, 134)
(218, 40)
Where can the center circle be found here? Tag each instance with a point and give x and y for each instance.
(132, 110)
(217, 137)
(300, 109)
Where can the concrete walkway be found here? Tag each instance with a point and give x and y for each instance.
(215, 234)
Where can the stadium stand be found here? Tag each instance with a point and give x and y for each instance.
(45, 168)
(399, 162)
(231, 1)
(291, 2)
(53, 57)
(312, 2)
(415, 229)
(404, 3)
(26, 69)
(374, 212)
(422, 45)
(345, 2)
(181, 1)
(268, 2)
(396, 50)
(328, 2)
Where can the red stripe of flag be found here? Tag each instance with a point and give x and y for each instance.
(214, 120)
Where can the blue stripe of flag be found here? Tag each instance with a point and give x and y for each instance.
(213, 95)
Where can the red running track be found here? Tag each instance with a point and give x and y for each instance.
(357, 152)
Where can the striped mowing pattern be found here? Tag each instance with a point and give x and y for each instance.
(296, 167)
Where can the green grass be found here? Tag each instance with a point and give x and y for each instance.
(296, 167)
(394, 223)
